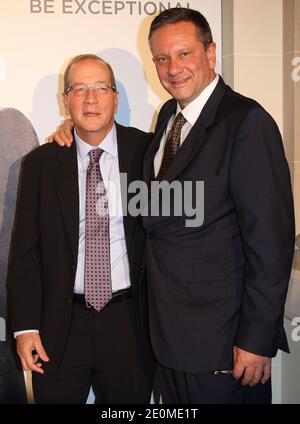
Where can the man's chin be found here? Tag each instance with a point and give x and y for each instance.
(179, 94)
(92, 128)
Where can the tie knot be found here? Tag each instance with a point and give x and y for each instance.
(179, 121)
(95, 154)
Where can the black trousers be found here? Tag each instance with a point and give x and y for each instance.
(178, 387)
(102, 351)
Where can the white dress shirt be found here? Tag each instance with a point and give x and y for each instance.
(109, 168)
(191, 113)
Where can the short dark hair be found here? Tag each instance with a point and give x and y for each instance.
(82, 57)
(183, 14)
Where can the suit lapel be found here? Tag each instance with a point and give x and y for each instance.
(65, 177)
(198, 134)
(196, 137)
(126, 166)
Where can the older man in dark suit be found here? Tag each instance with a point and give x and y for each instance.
(75, 258)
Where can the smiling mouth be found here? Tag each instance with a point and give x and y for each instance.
(179, 83)
(91, 114)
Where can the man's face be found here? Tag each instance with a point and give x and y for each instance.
(93, 114)
(183, 65)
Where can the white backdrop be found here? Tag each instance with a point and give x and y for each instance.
(38, 37)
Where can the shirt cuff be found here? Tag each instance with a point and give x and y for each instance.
(18, 333)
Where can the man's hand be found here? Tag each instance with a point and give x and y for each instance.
(253, 368)
(63, 136)
(30, 350)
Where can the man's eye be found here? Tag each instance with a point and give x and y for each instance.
(161, 59)
(79, 90)
(184, 54)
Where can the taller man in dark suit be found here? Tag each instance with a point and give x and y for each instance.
(216, 291)
(75, 258)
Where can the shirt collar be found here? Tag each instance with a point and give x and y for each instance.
(108, 145)
(192, 111)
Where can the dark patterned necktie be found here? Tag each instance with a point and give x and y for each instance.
(172, 144)
(97, 276)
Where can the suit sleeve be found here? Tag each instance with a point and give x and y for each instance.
(24, 271)
(261, 191)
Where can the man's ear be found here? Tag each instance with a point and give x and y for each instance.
(65, 102)
(211, 55)
(116, 101)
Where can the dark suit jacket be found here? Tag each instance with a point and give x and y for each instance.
(45, 241)
(225, 282)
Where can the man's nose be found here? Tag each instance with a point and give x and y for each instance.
(91, 96)
(175, 66)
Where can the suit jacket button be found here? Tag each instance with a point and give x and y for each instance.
(149, 235)
(69, 300)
